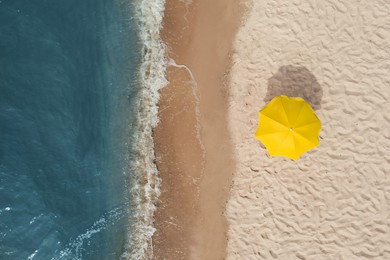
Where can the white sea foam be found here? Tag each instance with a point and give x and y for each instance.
(75, 249)
(149, 15)
(30, 257)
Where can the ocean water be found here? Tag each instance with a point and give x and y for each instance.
(78, 93)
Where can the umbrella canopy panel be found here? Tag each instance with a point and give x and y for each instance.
(288, 127)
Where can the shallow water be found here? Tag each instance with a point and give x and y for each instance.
(67, 88)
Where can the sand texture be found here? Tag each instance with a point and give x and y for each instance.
(333, 203)
(193, 149)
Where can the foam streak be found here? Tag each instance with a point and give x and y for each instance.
(146, 189)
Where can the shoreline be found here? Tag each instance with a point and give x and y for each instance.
(192, 143)
(151, 78)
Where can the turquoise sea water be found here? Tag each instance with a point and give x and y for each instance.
(68, 73)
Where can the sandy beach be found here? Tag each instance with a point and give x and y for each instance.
(223, 196)
(193, 149)
(333, 203)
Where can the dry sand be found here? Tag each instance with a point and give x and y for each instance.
(193, 148)
(334, 202)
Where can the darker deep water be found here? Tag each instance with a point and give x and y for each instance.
(67, 78)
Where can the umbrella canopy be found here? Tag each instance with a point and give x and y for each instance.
(288, 127)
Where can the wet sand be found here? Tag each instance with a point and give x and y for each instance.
(193, 149)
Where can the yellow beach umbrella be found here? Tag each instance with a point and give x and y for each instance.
(288, 127)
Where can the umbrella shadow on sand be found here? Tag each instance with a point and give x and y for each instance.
(295, 81)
